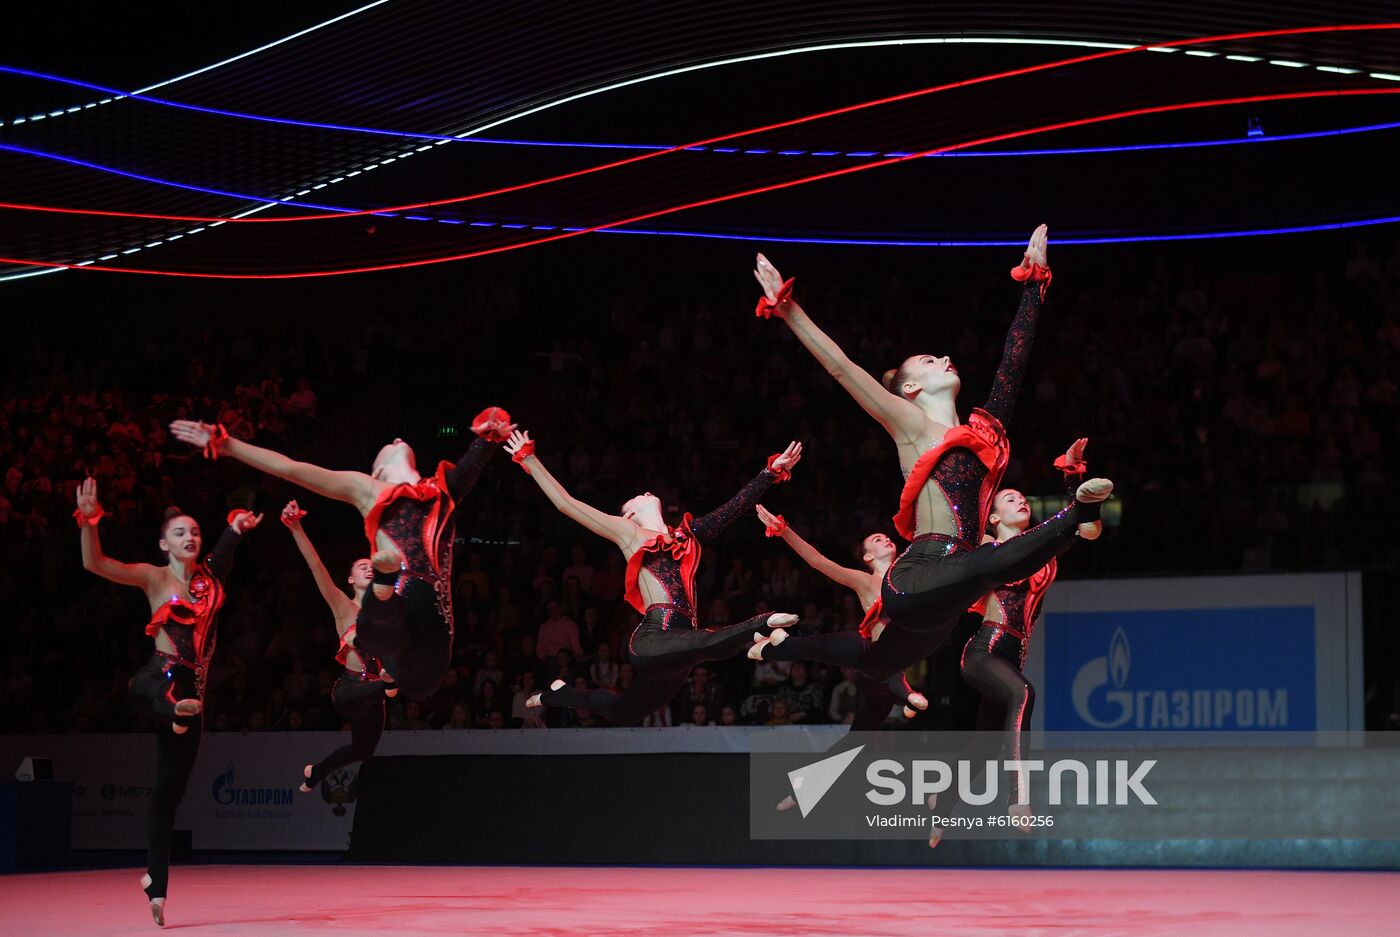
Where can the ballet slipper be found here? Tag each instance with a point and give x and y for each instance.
(386, 563)
(537, 700)
(157, 904)
(780, 620)
(305, 787)
(1094, 491)
(787, 803)
(391, 687)
(1023, 811)
(935, 832)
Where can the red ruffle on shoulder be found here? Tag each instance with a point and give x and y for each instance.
(1035, 273)
(425, 489)
(347, 644)
(683, 546)
(491, 415)
(984, 435)
(873, 614)
(766, 307)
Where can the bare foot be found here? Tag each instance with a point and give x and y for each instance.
(385, 561)
(1020, 818)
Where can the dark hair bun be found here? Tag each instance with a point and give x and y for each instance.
(888, 379)
(173, 512)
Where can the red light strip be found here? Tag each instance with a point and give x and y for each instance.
(908, 95)
(1044, 128)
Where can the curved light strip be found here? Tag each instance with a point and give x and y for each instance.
(470, 136)
(117, 94)
(407, 153)
(1067, 151)
(1059, 241)
(715, 200)
(903, 96)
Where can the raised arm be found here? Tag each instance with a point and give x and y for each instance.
(1034, 273)
(354, 488)
(220, 561)
(338, 601)
(492, 427)
(522, 449)
(900, 418)
(779, 468)
(850, 578)
(88, 514)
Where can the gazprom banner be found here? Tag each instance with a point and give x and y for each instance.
(1237, 654)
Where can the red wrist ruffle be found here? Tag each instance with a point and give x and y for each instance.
(84, 520)
(776, 528)
(217, 437)
(1033, 273)
(294, 518)
(767, 307)
(782, 473)
(1071, 468)
(483, 424)
(524, 452)
(236, 513)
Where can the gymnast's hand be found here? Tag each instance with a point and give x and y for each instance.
(1075, 453)
(790, 457)
(246, 522)
(1037, 249)
(292, 514)
(192, 432)
(771, 280)
(518, 440)
(769, 519)
(87, 498)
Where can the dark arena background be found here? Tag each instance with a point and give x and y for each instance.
(323, 228)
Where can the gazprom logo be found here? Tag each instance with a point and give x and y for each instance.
(1106, 697)
(227, 795)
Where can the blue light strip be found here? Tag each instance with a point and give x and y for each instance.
(577, 144)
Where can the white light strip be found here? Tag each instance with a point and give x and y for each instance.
(875, 43)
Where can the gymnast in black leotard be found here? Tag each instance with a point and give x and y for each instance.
(994, 658)
(185, 596)
(952, 469)
(406, 619)
(359, 692)
(661, 565)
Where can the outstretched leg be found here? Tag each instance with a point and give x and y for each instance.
(882, 660)
(361, 703)
(928, 581)
(661, 651)
(626, 708)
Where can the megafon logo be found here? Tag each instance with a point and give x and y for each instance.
(1104, 698)
(227, 795)
(1096, 674)
(811, 782)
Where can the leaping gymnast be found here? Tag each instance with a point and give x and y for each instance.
(951, 472)
(994, 658)
(185, 595)
(359, 692)
(406, 619)
(876, 552)
(661, 565)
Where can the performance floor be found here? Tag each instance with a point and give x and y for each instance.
(375, 901)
